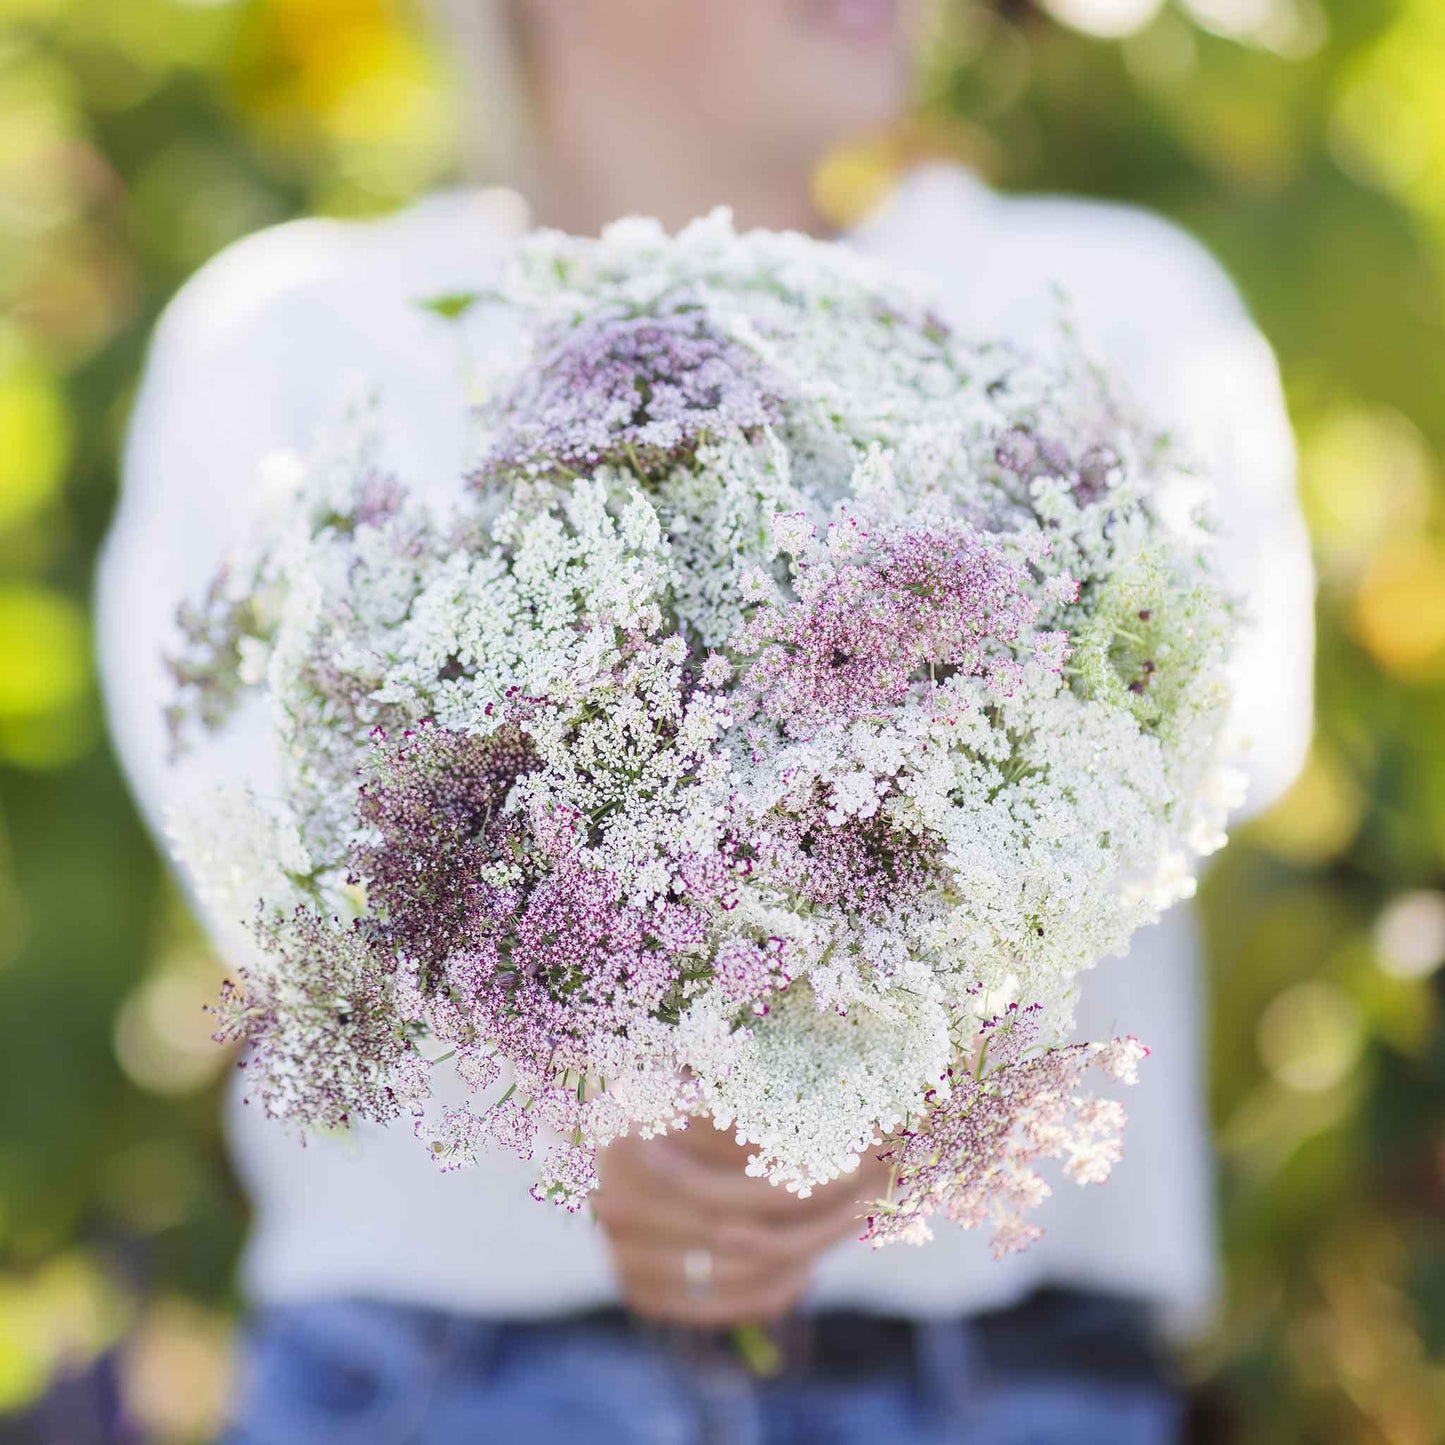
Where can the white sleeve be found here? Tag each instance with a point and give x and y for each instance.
(230, 378)
(1219, 376)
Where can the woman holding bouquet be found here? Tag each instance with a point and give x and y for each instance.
(394, 1303)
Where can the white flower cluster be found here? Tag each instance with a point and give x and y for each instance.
(795, 685)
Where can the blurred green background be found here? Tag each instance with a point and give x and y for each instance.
(1303, 140)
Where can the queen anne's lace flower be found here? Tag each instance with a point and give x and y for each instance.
(617, 388)
(797, 700)
(972, 1153)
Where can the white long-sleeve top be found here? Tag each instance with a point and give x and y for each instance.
(253, 354)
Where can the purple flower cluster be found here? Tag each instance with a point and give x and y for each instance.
(1027, 456)
(432, 802)
(640, 391)
(332, 1054)
(863, 865)
(864, 629)
(533, 970)
(545, 966)
(748, 972)
(972, 1156)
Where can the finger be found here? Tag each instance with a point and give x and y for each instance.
(741, 1249)
(665, 1270)
(704, 1141)
(781, 1241)
(724, 1192)
(664, 1182)
(629, 1205)
(722, 1189)
(636, 1205)
(738, 1243)
(653, 1188)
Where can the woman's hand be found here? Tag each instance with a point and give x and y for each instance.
(695, 1241)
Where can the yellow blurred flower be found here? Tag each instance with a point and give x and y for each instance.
(854, 180)
(35, 427)
(44, 677)
(65, 1313)
(1399, 609)
(1366, 473)
(350, 66)
(44, 652)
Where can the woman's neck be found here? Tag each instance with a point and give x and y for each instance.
(584, 203)
(583, 175)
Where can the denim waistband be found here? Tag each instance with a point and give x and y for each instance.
(1053, 1332)
(339, 1372)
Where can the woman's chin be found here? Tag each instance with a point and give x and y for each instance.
(874, 103)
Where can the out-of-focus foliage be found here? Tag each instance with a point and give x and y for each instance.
(1304, 140)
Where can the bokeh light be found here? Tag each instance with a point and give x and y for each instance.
(163, 1030)
(1410, 934)
(1399, 609)
(35, 426)
(176, 1371)
(1311, 1036)
(1368, 475)
(1110, 18)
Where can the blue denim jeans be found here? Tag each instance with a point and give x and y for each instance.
(348, 1373)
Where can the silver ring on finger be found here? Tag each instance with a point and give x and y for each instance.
(697, 1273)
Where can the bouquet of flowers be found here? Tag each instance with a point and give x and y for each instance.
(795, 699)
